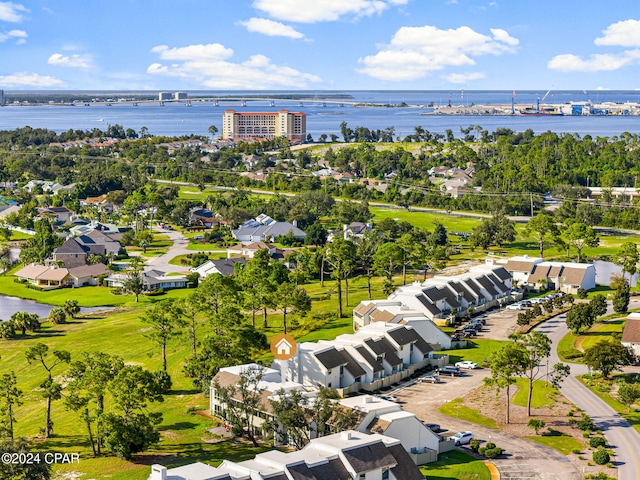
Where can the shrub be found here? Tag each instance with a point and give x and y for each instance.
(601, 457)
(536, 424)
(585, 423)
(493, 452)
(582, 293)
(490, 445)
(576, 451)
(474, 445)
(595, 442)
(482, 450)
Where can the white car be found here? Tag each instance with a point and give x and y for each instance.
(515, 306)
(462, 438)
(467, 364)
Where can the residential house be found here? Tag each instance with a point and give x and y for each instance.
(99, 243)
(441, 297)
(225, 267)
(391, 311)
(100, 203)
(44, 276)
(151, 280)
(56, 214)
(248, 250)
(375, 356)
(265, 229)
(86, 274)
(202, 217)
(537, 274)
(346, 455)
(385, 417)
(6, 210)
(631, 334)
(72, 253)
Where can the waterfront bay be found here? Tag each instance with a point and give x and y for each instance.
(176, 119)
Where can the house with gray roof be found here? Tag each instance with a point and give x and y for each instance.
(346, 455)
(265, 229)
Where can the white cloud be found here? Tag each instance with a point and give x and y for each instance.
(463, 77)
(414, 52)
(211, 52)
(271, 28)
(12, 12)
(595, 63)
(322, 10)
(24, 79)
(210, 66)
(20, 36)
(71, 61)
(623, 34)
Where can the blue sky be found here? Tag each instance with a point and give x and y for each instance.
(319, 44)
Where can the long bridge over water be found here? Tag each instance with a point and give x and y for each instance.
(241, 101)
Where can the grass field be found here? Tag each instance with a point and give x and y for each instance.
(565, 444)
(456, 465)
(456, 409)
(543, 393)
(479, 351)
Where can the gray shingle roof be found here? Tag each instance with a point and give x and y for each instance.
(331, 358)
(377, 367)
(488, 286)
(429, 305)
(405, 468)
(370, 457)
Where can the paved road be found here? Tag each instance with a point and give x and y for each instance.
(622, 437)
(179, 247)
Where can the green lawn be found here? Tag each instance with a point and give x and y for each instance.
(455, 465)
(479, 350)
(600, 331)
(565, 444)
(543, 393)
(456, 409)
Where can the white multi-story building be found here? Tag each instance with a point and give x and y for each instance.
(267, 125)
(344, 456)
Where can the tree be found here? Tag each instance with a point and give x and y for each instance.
(340, 255)
(507, 363)
(133, 282)
(50, 390)
(41, 245)
(536, 424)
(407, 244)
(496, 230)
(386, 261)
(22, 470)
(190, 309)
(538, 349)
(541, 227)
(291, 299)
(165, 324)
(213, 130)
(579, 236)
(598, 305)
(606, 356)
(26, 321)
(57, 315)
(628, 394)
(365, 252)
(234, 346)
(71, 308)
(580, 317)
(130, 427)
(628, 258)
(11, 397)
(622, 296)
(242, 401)
(88, 381)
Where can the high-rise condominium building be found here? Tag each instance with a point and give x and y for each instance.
(291, 125)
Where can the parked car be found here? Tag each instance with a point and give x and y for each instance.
(434, 427)
(430, 379)
(469, 334)
(391, 398)
(455, 338)
(515, 306)
(462, 438)
(467, 364)
(449, 370)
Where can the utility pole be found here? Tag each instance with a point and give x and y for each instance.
(531, 199)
